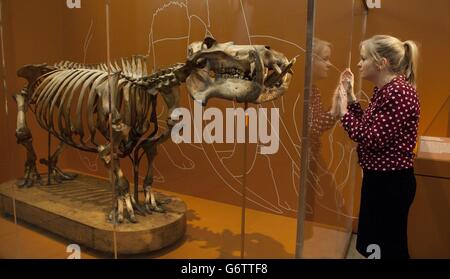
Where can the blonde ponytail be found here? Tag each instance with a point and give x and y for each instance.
(410, 61)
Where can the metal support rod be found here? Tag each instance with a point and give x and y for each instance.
(358, 96)
(136, 176)
(49, 157)
(112, 150)
(363, 35)
(350, 45)
(305, 130)
(244, 184)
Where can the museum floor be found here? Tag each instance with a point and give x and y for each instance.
(213, 231)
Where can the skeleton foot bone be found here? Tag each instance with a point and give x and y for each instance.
(151, 204)
(117, 214)
(31, 176)
(56, 174)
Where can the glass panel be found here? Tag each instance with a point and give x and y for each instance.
(273, 178)
(434, 143)
(56, 218)
(8, 227)
(440, 123)
(162, 31)
(332, 155)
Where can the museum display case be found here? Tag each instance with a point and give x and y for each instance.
(429, 237)
(222, 196)
(182, 129)
(249, 192)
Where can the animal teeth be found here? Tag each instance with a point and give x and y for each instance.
(277, 69)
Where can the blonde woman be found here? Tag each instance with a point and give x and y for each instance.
(386, 134)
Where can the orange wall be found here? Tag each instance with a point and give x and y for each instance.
(32, 34)
(39, 31)
(192, 169)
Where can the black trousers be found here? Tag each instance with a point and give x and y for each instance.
(386, 197)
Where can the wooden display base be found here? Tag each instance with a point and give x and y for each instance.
(78, 209)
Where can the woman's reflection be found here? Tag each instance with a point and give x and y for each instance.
(323, 201)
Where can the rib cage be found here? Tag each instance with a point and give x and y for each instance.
(71, 100)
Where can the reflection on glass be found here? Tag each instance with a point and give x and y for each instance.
(328, 177)
(320, 183)
(207, 176)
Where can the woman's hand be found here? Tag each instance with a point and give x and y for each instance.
(347, 81)
(343, 102)
(343, 95)
(335, 107)
(340, 102)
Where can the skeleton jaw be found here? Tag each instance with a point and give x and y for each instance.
(252, 74)
(276, 83)
(226, 78)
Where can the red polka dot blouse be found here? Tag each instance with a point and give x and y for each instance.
(386, 131)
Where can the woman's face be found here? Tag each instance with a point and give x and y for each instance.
(322, 63)
(368, 67)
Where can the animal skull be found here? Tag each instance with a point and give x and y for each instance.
(244, 73)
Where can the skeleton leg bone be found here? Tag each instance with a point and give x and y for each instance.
(122, 187)
(56, 174)
(123, 196)
(150, 202)
(24, 137)
(171, 98)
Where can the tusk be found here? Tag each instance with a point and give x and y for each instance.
(275, 77)
(277, 69)
(252, 68)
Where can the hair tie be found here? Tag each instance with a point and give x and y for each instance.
(406, 45)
